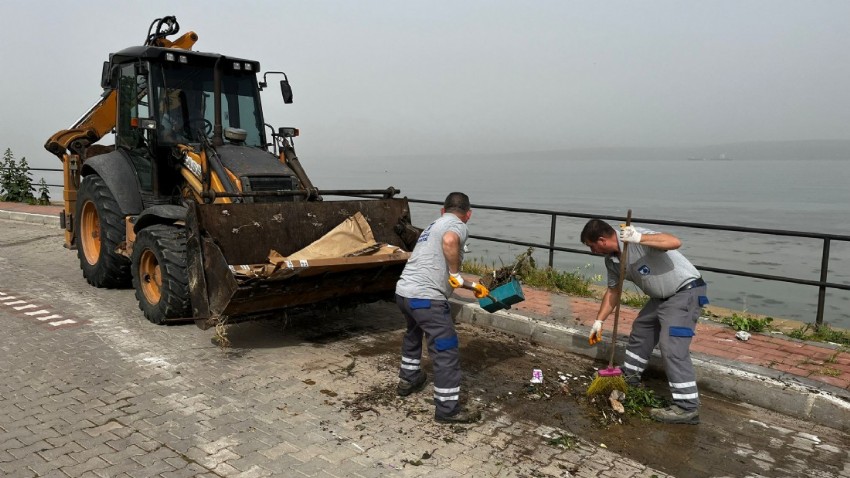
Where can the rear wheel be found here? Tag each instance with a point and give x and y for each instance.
(99, 230)
(160, 274)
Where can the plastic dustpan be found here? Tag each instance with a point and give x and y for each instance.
(503, 297)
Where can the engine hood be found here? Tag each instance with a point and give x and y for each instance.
(250, 161)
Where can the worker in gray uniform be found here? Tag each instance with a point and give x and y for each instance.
(676, 295)
(422, 295)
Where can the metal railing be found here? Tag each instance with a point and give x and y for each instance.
(41, 169)
(822, 284)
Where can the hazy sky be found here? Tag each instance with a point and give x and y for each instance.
(404, 77)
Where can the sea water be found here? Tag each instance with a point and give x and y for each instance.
(796, 195)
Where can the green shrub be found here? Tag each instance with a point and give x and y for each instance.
(43, 193)
(16, 180)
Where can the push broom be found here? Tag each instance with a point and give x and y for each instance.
(611, 378)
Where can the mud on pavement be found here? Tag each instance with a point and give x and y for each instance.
(524, 422)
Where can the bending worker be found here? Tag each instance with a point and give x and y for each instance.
(422, 295)
(676, 295)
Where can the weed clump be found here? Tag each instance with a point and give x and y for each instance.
(747, 323)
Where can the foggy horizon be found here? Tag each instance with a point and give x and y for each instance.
(389, 78)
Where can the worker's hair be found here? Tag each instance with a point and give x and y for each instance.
(594, 229)
(456, 202)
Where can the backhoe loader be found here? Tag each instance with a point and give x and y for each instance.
(202, 207)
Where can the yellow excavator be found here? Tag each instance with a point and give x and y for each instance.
(202, 207)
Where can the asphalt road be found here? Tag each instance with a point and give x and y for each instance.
(88, 387)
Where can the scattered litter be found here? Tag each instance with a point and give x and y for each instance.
(537, 376)
(742, 335)
(615, 399)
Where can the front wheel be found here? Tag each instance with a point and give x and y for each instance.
(160, 273)
(99, 229)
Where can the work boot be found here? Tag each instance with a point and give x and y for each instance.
(633, 381)
(405, 388)
(465, 415)
(674, 414)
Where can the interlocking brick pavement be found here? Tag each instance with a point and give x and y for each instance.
(122, 397)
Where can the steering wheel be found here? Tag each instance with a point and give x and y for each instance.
(196, 124)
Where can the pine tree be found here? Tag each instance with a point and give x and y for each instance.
(15, 179)
(24, 188)
(43, 193)
(7, 174)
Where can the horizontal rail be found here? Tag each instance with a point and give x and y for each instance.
(821, 284)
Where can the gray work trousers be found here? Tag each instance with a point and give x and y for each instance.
(668, 323)
(432, 318)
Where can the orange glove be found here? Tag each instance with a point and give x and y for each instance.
(455, 280)
(479, 290)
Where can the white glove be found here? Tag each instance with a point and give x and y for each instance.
(629, 234)
(456, 280)
(595, 333)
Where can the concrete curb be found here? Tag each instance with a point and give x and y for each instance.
(776, 391)
(30, 217)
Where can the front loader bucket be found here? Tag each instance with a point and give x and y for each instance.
(231, 276)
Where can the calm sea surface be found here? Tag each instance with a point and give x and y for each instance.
(804, 195)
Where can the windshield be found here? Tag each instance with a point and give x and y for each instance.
(186, 108)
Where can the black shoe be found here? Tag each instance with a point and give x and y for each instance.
(465, 415)
(674, 414)
(633, 381)
(405, 388)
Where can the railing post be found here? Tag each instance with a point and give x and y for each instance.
(552, 242)
(824, 268)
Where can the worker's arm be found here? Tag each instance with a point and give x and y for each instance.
(451, 250)
(609, 301)
(660, 240)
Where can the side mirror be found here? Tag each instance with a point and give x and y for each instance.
(286, 91)
(104, 75)
(288, 132)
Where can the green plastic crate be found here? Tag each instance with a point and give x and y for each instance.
(506, 295)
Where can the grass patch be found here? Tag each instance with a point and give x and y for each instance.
(747, 323)
(829, 371)
(821, 334)
(563, 441)
(634, 299)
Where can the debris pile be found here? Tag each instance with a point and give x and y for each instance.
(501, 276)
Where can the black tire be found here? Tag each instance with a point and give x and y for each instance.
(160, 273)
(99, 229)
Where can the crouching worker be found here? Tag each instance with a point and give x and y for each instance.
(422, 295)
(677, 294)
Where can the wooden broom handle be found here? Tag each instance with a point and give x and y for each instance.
(624, 256)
